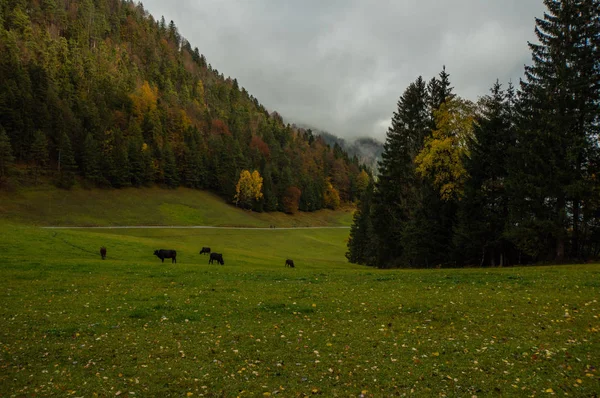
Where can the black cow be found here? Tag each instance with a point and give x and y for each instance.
(289, 263)
(218, 257)
(103, 252)
(205, 250)
(162, 254)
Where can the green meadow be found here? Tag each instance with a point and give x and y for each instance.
(76, 325)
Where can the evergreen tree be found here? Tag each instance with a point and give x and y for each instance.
(193, 168)
(66, 163)
(137, 168)
(122, 170)
(427, 235)
(6, 156)
(439, 90)
(483, 211)
(91, 159)
(39, 154)
(148, 177)
(397, 183)
(360, 243)
(269, 199)
(553, 173)
(171, 177)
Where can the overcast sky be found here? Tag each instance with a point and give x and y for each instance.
(341, 65)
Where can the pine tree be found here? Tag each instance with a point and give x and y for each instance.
(193, 174)
(39, 154)
(137, 169)
(149, 166)
(427, 233)
(6, 156)
(439, 90)
(483, 211)
(171, 176)
(361, 249)
(91, 159)
(269, 195)
(560, 108)
(122, 169)
(397, 182)
(66, 163)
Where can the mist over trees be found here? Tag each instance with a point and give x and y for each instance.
(99, 93)
(508, 180)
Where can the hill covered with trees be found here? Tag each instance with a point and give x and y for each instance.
(510, 179)
(102, 93)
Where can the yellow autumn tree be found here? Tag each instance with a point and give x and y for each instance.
(248, 188)
(144, 100)
(441, 159)
(331, 196)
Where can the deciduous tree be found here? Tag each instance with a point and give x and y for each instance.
(441, 159)
(248, 188)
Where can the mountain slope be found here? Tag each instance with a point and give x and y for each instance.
(101, 92)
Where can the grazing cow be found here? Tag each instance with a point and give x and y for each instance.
(162, 254)
(205, 250)
(289, 263)
(218, 257)
(103, 252)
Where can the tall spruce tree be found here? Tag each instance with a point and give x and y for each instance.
(6, 155)
(397, 181)
(171, 176)
(66, 163)
(483, 211)
(439, 90)
(553, 174)
(91, 160)
(427, 236)
(360, 247)
(38, 154)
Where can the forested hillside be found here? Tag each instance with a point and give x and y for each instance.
(367, 150)
(508, 180)
(102, 93)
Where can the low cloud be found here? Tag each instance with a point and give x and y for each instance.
(341, 65)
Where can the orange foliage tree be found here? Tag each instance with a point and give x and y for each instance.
(291, 199)
(219, 127)
(260, 145)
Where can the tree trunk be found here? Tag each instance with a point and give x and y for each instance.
(482, 257)
(575, 241)
(560, 236)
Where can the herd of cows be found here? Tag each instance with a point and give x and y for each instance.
(172, 254)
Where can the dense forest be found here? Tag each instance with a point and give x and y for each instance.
(510, 179)
(99, 93)
(367, 149)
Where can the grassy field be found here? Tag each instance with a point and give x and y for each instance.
(75, 325)
(46, 205)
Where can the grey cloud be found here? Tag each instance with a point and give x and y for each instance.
(341, 65)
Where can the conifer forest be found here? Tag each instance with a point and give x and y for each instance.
(510, 179)
(102, 94)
